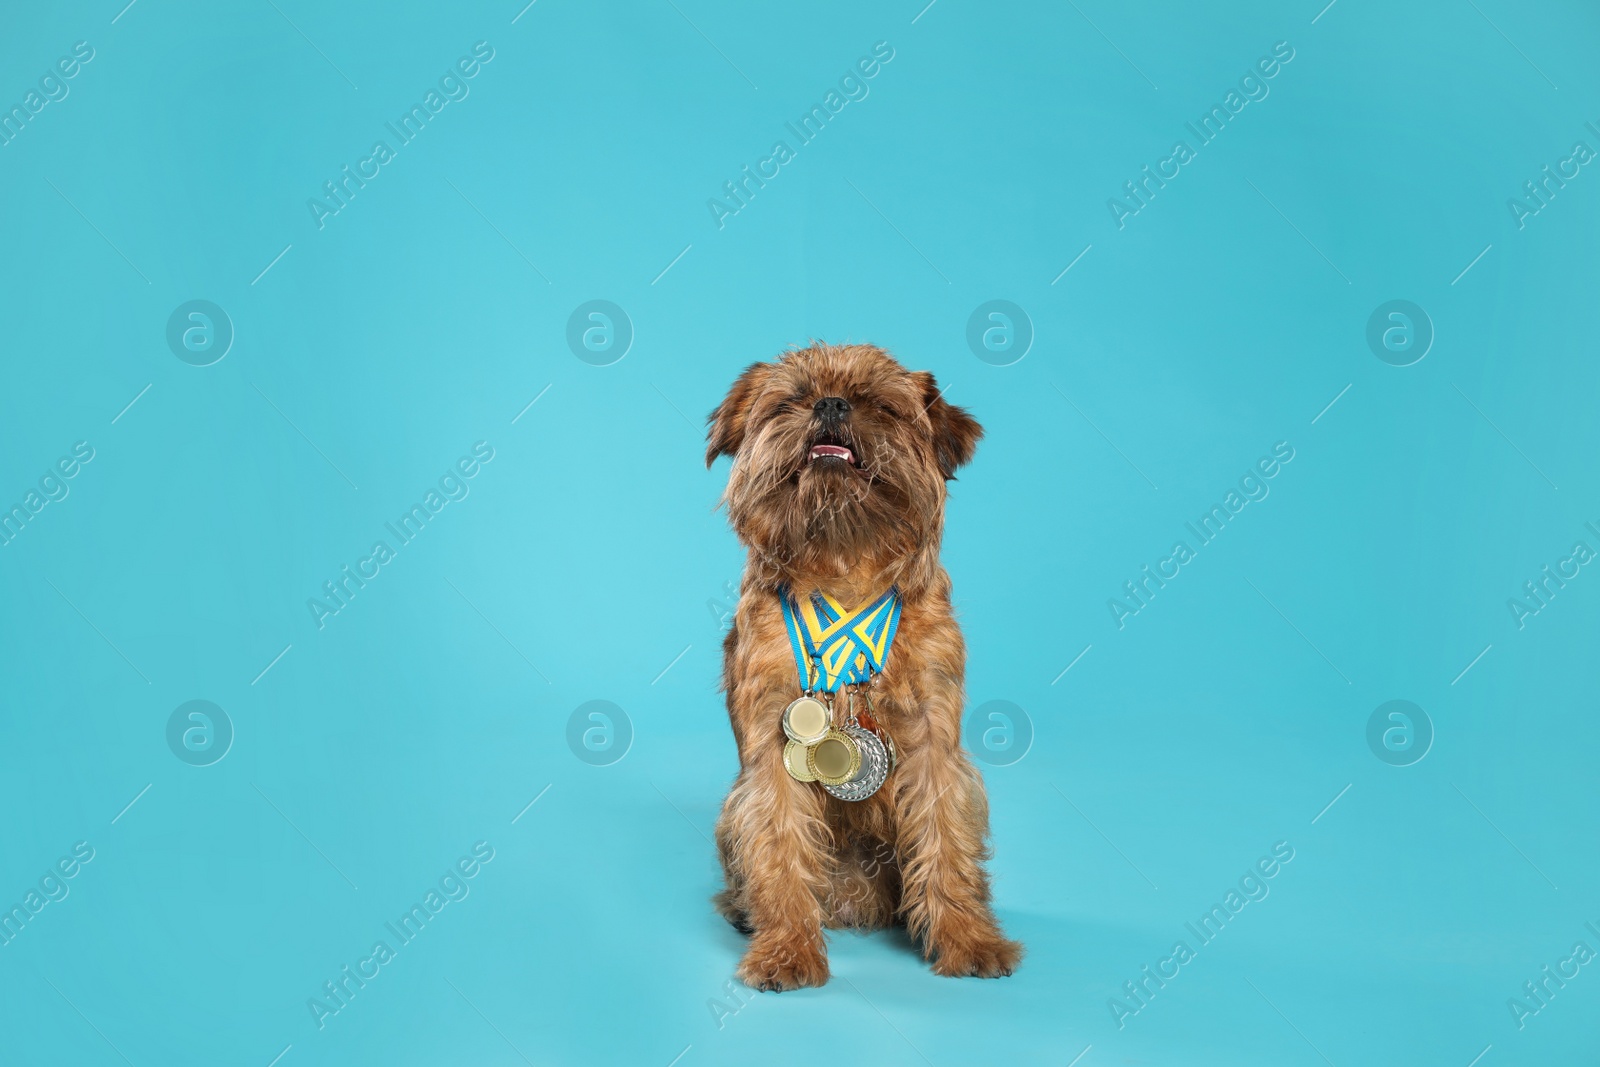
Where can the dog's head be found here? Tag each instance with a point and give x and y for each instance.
(840, 461)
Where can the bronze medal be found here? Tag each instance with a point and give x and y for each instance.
(872, 724)
(888, 744)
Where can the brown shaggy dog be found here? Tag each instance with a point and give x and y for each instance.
(795, 859)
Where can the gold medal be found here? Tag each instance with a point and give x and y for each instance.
(807, 720)
(794, 761)
(835, 759)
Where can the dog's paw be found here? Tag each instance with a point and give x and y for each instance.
(737, 917)
(986, 957)
(775, 966)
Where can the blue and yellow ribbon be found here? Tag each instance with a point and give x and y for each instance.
(834, 647)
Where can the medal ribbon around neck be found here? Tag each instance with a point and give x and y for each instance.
(834, 647)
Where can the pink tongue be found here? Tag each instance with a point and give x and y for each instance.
(830, 450)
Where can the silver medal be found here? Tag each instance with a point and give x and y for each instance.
(874, 769)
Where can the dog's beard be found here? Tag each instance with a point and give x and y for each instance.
(804, 507)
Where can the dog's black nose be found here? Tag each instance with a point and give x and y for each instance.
(832, 408)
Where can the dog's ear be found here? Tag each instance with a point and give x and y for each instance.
(955, 433)
(726, 425)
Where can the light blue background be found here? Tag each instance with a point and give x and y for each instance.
(587, 559)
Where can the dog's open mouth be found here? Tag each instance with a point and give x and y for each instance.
(829, 451)
(832, 452)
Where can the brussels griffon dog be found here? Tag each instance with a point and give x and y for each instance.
(840, 463)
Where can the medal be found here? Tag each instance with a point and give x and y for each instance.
(794, 761)
(806, 720)
(883, 735)
(835, 759)
(872, 767)
(838, 649)
(893, 753)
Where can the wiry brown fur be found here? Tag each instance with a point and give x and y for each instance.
(795, 859)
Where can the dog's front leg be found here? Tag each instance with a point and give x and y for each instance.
(943, 826)
(775, 846)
